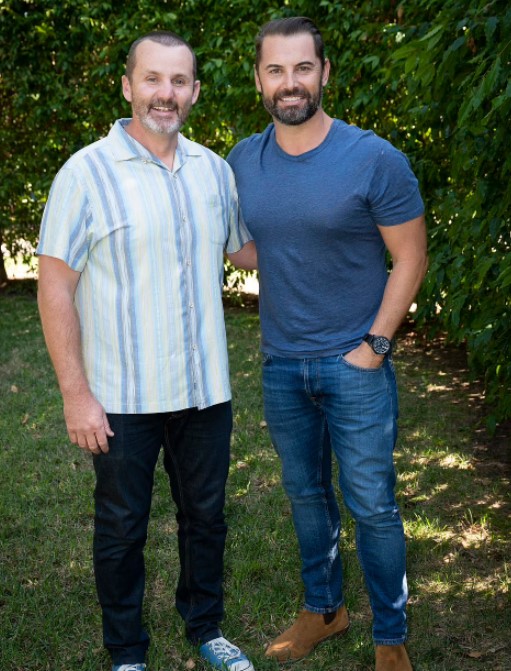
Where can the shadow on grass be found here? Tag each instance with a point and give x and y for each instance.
(454, 495)
(453, 490)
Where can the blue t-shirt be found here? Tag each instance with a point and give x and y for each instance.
(314, 217)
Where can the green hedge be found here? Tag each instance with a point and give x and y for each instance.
(431, 76)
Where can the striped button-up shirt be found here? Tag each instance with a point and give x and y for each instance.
(149, 243)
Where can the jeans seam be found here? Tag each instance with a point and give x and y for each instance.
(330, 560)
(391, 641)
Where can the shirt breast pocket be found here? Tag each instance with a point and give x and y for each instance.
(214, 220)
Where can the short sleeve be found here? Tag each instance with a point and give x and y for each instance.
(65, 223)
(394, 196)
(238, 232)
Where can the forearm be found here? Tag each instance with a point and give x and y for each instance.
(401, 289)
(408, 248)
(86, 421)
(246, 258)
(61, 328)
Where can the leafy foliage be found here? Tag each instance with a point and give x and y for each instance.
(457, 75)
(432, 76)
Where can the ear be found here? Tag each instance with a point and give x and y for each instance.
(126, 88)
(257, 80)
(196, 91)
(326, 72)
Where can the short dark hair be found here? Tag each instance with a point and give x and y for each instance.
(166, 37)
(293, 25)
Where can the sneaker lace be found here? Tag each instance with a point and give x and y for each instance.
(225, 650)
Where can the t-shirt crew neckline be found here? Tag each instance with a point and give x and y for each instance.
(336, 123)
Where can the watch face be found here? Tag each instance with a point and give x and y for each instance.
(381, 345)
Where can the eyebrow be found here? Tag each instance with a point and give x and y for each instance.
(278, 65)
(159, 74)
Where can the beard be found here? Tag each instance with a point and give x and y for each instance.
(297, 114)
(161, 126)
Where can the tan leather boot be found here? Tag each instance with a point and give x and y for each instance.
(308, 630)
(392, 658)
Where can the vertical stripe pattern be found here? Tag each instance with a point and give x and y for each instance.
(149, 244)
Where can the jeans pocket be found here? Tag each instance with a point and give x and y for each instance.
(343, 360)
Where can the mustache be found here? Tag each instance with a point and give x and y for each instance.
(296, 91)
(159, 102)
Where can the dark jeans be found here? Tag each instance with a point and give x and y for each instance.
(196, 458)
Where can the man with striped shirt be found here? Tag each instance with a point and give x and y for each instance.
(130, 287)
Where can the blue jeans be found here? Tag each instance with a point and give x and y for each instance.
(196, 459)
(316, 406)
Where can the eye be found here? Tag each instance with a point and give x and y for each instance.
(179, 82)
(151, 79)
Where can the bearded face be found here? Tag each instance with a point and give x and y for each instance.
(293, 107)
(161, 116)
(161, 88)
(290, 77)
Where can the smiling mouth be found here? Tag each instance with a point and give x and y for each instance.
(292, 97)
(160, 108)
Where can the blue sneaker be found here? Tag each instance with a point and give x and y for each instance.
(128, 667)
(224, 656)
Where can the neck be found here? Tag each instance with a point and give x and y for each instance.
(296, 140)
(162, 146)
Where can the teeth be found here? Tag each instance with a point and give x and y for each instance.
(164, 109)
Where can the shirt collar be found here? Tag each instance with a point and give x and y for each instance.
(126, 148)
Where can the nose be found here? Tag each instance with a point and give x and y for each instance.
(167, 90)
(289, 79)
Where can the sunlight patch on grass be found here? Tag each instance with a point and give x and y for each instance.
(438, 587)
(484, 585)
(423, 527)
(437, 387)
(454, 515)
(454, 460)
(443, 459)
(475, 536)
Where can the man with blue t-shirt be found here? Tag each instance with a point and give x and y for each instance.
(323, 201)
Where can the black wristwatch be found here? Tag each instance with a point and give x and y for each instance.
(379, 344)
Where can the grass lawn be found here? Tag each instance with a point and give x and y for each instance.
(453, 492)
